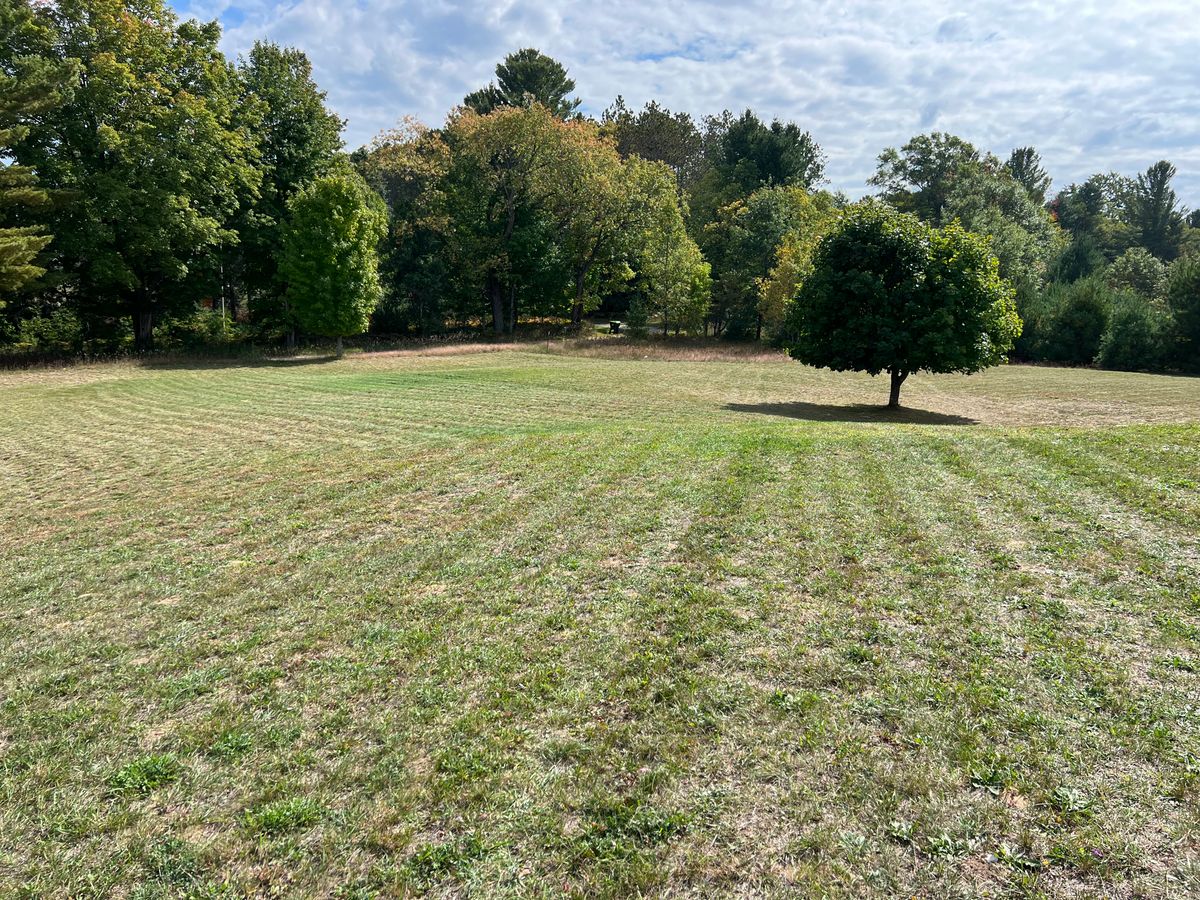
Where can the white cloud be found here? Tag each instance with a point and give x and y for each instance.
(1094, 86)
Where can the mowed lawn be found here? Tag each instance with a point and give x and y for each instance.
(543, 622)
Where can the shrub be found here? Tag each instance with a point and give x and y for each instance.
(203, 328)
(59, 332)
(1072, 320)
(638, 319)
(1139, 271)
(1135, 339)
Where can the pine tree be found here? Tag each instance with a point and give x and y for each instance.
(29, 85)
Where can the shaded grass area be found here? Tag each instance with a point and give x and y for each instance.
(525, 624)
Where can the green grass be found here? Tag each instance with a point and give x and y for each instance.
(575, 622)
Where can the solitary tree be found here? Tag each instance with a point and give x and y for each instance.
(888, 293)
(330, 260)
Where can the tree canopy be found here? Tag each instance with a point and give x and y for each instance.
(30, 84)
(298, 139)
(888, 293)
(155, 139)
(151, 180)
(329, 261)
(524, 77)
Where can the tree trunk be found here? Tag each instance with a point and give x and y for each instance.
(341, 351)
(143, 336)
(897, 380)
(758, 328)
(289, 340)
(577, 308)
(495, 292)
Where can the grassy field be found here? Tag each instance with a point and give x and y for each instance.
(551, 622)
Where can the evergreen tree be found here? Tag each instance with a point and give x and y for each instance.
(1025, 167)
(30, 84)
(527, 76)
(1153, 212)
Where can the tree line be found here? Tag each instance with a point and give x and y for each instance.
(156, 193)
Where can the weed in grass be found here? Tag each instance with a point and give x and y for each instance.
(431, 864)
(281, 816)
(143, 775)
(231, 745)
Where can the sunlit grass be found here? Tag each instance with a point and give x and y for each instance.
(596, 621)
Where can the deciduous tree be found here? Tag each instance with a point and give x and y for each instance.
(920, 176)
(298, 141)
(151, 148)
(329, 259)
(889, 293)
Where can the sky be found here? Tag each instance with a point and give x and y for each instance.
(1094, 86)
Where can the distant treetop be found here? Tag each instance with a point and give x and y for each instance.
(527, 76)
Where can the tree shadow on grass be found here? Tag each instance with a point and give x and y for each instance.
(249, 362)
(852, 412)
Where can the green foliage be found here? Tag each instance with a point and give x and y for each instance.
(817, 216)
(673, 277)
(1023, 237)
(655, 133)
(742, 154)
(750, 154)
(154, 148)
(1024, 166)
(1135, 339)
(281, 816)
(547, 211)
(31, 83)
(1070, 321)
(888, 293)
(524, 77)
(743, 244)
(61, 332)
(1153, 211)
(920, 176)
(407, 167)
(1081, 257)
(1183, 299)
(298, 139)
(145, 774)
(1139, 271)
(637, 321)
(330, 260)
(499, 192)
(201, 329)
